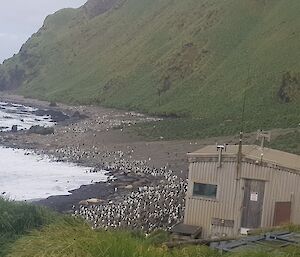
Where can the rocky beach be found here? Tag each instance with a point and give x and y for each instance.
(147, 179)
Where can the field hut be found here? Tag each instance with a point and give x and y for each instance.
(233, 189)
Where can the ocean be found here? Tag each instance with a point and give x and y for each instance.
(27, 176)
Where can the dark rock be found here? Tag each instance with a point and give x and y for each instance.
(77, 115)
(14, 128)
(41, 130)
(56, 116)
(53, 104)
(188, 45)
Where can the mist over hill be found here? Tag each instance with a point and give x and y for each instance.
(197, 59)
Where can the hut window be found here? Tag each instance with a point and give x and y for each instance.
(205, 190)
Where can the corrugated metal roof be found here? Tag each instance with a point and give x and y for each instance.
(283, 159)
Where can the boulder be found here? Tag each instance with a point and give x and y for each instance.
(14, 128)
(52, 104)
(41, 130)
(56, 116)
(78, 115)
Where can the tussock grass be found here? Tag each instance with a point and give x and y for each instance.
(17, 219)
(74, 238)
(58, 236)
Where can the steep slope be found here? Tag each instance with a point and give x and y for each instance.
(191, 58)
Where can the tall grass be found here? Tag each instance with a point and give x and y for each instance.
(17, 219)
(74, 238)
(61, 236)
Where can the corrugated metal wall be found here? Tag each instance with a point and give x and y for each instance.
(200, 211)
(280, 186)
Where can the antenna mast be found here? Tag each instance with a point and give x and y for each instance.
(239, 160)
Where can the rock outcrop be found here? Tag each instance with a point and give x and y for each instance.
(41, 130)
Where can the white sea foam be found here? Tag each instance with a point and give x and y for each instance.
(25, 177)
(22, 116)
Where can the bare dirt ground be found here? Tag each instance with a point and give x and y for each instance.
(102, 140)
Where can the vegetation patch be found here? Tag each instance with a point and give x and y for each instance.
(17, 219)
(290, 87)
(289, 142)
(75, 238)
(53, 235)
(72, 237)
(187, 128)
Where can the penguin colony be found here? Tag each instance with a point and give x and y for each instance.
(148, 208)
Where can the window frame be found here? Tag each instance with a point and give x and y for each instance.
(209, 198)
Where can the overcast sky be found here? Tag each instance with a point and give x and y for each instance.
(19, 19)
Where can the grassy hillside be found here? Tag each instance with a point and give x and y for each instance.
(197, 59)
(289, 142)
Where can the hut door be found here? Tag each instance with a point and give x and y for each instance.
(282, 213)
(253, 203)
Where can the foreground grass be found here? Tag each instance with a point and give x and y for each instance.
(17, 219)
(53, 235)
(75, 238)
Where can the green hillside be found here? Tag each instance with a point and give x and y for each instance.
(195, 59)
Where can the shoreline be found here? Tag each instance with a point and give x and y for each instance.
(101, 140)
(101, 190)
(147, 174)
